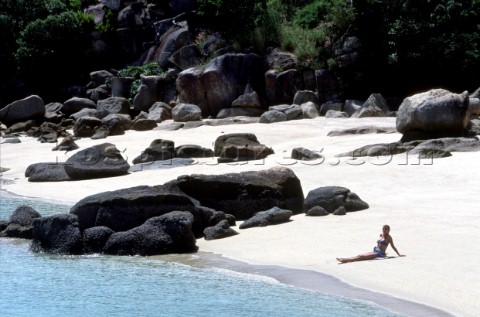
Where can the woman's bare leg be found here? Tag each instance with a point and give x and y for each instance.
(360, 257)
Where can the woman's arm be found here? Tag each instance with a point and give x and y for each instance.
(393, 247)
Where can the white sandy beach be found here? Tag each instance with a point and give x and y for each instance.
(431, 206)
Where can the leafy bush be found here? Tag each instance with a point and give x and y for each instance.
(136, 72)
(54, 45)
(234, 17)
(304, 43)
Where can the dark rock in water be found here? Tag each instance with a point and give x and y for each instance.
(57, 234)
(170, 233)
(303, 154)
(67, 144)
(21, 223)
(266, 218)
(192, 151)
(3, 225)
(331, 198)
(24, 215)
(94, 239)
(158, 150)
(47, 172)
(219, 231)
(317, 211)
(244, 194)
(238, 147)
(125, 209)
(103, 160)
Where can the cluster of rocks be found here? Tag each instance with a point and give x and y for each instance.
(168, 218)
(434, 124)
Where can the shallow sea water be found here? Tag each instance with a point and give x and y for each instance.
(99, 285)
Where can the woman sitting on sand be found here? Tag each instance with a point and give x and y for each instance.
(378, 251)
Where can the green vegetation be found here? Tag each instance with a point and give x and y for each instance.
(135, 72)
(405, 44)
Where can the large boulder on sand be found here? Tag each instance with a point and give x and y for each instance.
(269, 217)
(244, 194)
(47, 172)
(433, 114)
(236, 147)
(331, 198)
(30, 108)
(103, 160)
(158, 150)
(170, 233)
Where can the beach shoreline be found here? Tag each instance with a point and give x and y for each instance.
(427, 204)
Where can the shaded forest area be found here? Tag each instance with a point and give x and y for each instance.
(392, 47)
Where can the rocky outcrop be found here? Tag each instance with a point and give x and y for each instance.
(269, 217)
(125, 209)
(437, 146)
(219, 231)
(216, 85)
(281, 87)
(67, 144)
(303, 154)
(21, 223)
(30, 108)
(331, 198)
(57, 234)
(381, 149)
(170, 233)
(375, 106)
(238, 147)
(86, 126)
(76, 104)
(158, 150)
(184, 112)
(94, 239)
(112, 105)
(47, 172)
(99, 161)
(433, 114)
(273, 116)
(192, 151)
(362, 130)
(244, 194)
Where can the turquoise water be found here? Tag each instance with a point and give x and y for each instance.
(97, 285)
